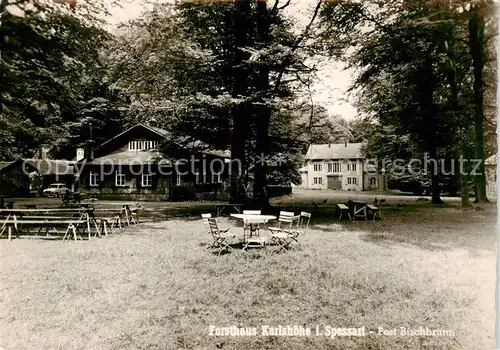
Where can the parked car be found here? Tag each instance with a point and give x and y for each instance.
(55, 190)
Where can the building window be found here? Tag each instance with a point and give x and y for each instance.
(179, 179)
(349, 181)
(318, 180)
(333, 167)
(351, 166)
(352, 181)
(93, 179)
(142, 145)
(373, 181)
(147, 180)
(119, 179)
(317, 167)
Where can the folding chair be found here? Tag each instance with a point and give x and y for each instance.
(219, 236)
(281, 233)
(254, 230)
(293, 234)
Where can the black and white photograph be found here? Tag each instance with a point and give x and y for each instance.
(249, 174)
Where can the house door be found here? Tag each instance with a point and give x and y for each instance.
(334, 183)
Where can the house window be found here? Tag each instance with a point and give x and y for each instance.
(349, 181)
(179, 179)
(348, 167)
(318, 180)
(352, 181)
(119, 179)
(147, 180)
(142, 145)
(93, 179)
(317, 167)
(353, 166)
(333, 167)
(373, 181)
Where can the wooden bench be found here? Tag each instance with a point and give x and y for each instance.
(221, 207)
(344, 209)
(375, 210)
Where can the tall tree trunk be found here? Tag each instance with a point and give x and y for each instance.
(476, 46)
(426, 82)
(452, 77)
(240, 112)
(263, 114)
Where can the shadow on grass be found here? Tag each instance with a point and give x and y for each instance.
(421, 224)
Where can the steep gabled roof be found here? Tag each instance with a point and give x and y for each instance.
(130, 158)
(182, 142)
(6, 166)
(334, 151)
(159, 131)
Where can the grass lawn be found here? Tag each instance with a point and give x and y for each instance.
(156, 286)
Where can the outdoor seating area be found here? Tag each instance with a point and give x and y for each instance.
(70, 223)
(255, 231)
(357, 209)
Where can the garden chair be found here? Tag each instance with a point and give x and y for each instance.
(219, 236)
(285, 222)
(253, 228)
(280, 234)
(301, 228)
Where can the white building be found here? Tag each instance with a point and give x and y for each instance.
(339, 167)
(491, 178)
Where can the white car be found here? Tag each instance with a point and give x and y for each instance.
(55, 190)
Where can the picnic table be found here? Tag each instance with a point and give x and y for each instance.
(18, 217)
(13, 223)
(358, 208)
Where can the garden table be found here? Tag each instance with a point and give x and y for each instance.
(253, 221)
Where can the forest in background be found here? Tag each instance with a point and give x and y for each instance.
(238, 75)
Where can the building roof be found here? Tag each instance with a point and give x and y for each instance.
(335, 151)
(51, 166)
(183, 142)
(491, 160)
(130, 158)
(7, 165)
(161, 132)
